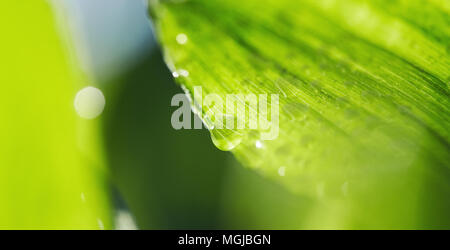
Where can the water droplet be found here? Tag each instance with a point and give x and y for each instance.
(282, 171)
(180, 72)
(226, 139)
(182, 38)
(183, 72)
(259, 144)
(89, 102)
(83, 197)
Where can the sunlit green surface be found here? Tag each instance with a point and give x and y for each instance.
(51, 173)
(363, 85)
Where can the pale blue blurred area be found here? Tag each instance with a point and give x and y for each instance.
(111, 38)
(111, 35)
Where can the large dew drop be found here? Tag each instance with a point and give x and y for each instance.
(226, 139)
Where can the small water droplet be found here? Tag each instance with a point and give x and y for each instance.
(282, 171)
(89, 102)
(182, 38)
(183, 72)
(175, 74)
(259, 144)
(226, 139)
(83, 197)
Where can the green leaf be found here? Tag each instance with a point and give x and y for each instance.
(51, 168)
(364, 98)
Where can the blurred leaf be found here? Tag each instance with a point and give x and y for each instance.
(170, 179)
(364, 98)
(51, 173)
